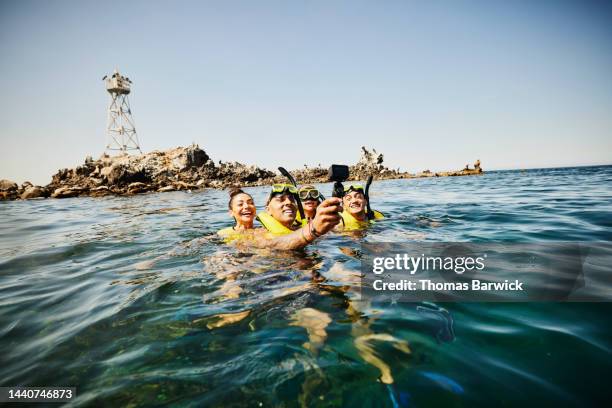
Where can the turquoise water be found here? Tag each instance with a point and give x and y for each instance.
(136, 303)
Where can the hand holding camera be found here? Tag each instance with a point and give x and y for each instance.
(328, 215)
(338, 173)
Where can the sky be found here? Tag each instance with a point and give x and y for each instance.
(430, 84)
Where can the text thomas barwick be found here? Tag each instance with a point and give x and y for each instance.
(426, 284)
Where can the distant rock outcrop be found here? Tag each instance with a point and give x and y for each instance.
(184, 168)
(7, 185)
(8, 190)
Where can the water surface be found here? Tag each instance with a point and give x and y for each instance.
(135, 302)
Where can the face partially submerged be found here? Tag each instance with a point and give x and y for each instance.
(355, 203)
(283, 208)
(243, 209)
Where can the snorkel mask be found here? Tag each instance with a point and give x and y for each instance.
(309, 193)
(283, 189)
(354, 187)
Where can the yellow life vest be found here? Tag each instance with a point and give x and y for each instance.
(229, 234)
(272, 225)
(351, 223)
(299, 220)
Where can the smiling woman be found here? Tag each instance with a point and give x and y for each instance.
(242, 209)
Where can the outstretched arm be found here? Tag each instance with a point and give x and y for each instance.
(327, 217)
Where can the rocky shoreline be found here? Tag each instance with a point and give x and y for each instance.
(188, 168)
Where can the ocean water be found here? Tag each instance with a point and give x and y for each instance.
(135, 302)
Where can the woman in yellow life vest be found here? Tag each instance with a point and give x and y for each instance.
(355, 215)
(242, 209)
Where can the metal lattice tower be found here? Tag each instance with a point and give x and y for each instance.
(120, 129)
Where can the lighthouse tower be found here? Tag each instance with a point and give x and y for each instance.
(120, 129)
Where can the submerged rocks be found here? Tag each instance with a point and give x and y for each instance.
(186, 169)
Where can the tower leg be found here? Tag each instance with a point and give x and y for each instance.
(120, 129)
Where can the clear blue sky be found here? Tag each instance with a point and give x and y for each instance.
(432, 85)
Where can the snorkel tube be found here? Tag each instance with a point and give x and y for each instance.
(369, 212)
(285, 173)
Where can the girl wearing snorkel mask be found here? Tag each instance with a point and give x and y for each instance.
(311, 198)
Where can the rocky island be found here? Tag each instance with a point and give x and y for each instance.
(188, 168)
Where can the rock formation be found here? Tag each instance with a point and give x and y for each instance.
(8, 190)
(185, 168)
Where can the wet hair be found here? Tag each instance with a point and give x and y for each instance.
(233, 193)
